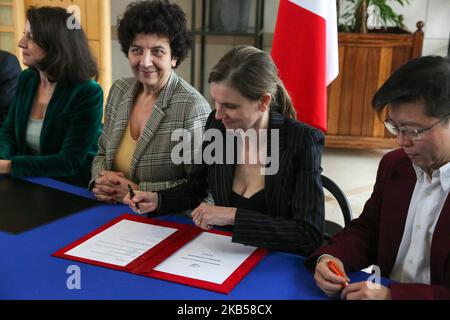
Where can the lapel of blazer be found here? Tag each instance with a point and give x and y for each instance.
(276, 122)
(123, 110)
(155, 120)
(23, 110)
(440, 246)
(223, 174)
(60, 95)
(397, 195)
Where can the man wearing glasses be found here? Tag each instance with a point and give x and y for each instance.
(405, 225)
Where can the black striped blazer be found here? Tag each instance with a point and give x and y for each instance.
(293, 196)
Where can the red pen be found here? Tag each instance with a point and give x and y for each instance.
(335, 269)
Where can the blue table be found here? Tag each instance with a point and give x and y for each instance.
(28, 271)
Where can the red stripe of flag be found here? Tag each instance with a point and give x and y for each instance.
(299, 51)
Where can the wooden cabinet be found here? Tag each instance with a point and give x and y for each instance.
(365, 62)
(95, 16)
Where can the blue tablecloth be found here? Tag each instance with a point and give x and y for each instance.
(28, 271)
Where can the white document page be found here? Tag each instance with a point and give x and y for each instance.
(121, 243)
(209, 257)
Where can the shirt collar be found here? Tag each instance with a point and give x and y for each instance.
(443, 174)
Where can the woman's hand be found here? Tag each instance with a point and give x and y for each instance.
(5, 166)
(147, 201)
(206, 216)
(112, 187)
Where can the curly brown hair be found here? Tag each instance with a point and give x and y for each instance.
(155, 17)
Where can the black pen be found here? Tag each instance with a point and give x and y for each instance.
(130, 189)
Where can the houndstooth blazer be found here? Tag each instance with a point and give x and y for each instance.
(179, 106)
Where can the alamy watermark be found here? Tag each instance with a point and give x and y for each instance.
(374, 17)
(374, 281)
(73, 22)
(74, 280)
(236, 147)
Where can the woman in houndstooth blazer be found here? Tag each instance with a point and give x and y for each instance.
(142, 112)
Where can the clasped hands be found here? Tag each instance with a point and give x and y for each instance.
(204, 216)
(111, 187)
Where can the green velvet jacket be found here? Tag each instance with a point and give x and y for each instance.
(69, 136)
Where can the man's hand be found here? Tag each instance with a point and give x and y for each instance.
(326, 280)
(365, 291)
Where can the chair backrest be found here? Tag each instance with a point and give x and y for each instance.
(330, 227)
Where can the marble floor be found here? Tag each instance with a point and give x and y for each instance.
(354, 171)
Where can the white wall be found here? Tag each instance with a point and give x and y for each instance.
(436, 16)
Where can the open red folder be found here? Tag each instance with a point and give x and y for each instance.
(175, 238)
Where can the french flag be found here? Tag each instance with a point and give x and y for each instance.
(305, 50)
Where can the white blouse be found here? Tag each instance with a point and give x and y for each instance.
(33, 135)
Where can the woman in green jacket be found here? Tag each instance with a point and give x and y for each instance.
(54, 121)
